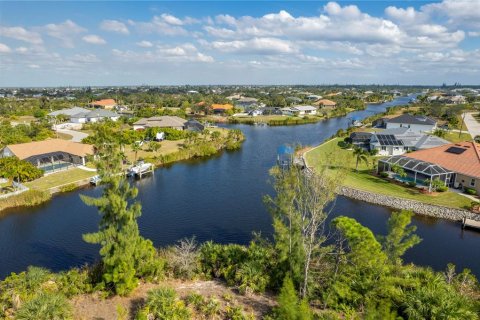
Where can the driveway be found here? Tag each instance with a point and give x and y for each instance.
(76, 135)
(473, 125)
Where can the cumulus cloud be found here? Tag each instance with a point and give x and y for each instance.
(165, 24)
(64, 31)
(186, 52)
(145, 44)
(459, 12)
(4, 48)
(22, 34)
(255, 46)
(94, 39)
(114, 26)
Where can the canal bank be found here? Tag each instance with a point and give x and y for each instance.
(219, 199)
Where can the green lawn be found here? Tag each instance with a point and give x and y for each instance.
(455, 137)
(60, 178)
(365, 180)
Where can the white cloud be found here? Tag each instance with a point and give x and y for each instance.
(145, 44)
(255, 46)
(85, 58)
(186, 52)
(165, 24)
(64, 31)
(114, 26)
(33, 66)
(4, 48)
(22, 34)
(459, 12)
(94, 39)
(474, 33)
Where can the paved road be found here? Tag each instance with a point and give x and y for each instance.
(473, 125)
(76, 135)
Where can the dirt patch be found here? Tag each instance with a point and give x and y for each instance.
(94, 307)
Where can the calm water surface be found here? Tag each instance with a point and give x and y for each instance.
(217, 199)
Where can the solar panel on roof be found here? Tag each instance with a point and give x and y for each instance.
(455, 150)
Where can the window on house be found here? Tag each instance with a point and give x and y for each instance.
(472, 183)
(384, 148)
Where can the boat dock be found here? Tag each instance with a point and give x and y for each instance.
(470, 223)
(141, 169)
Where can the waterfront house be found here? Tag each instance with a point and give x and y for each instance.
(457, 164)
(255, 113)
(246, 102)
(104, 104)
(51, 153)
(304, 110)
(417, 123)
(397, 141)
(172, 122)
(288, 111)
(326, 103)
(220, 108)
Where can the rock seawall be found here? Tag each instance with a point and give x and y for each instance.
(405, 204)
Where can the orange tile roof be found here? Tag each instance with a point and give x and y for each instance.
(326, 102)
(27, 150)
(104, 102)
(467, 162)
(226, 106)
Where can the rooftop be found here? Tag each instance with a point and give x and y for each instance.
(161, 121)
(411, 119)
(26, 150)
(463, 157)
(103, 102)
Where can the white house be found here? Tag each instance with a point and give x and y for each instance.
(305, 110)
(414, 123)
(82, 115)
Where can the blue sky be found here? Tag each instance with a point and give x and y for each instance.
(239, 42)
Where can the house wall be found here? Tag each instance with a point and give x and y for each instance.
(6, 153)
(78, 120)
(390, 150)
(138, 127)
(413, 127)
(466, 181)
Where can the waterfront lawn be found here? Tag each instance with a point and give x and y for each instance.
(365, 180)
(60, 178)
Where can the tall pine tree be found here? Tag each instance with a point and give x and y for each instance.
(126, 256)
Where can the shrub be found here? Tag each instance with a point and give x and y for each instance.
(68, 187)
(384, 174)
(470, 191)
(411, 184)
(183, 258)
(45, 307)
(20, 170)
(442, 189)
(236, 313)
(75, 281)
(174, 134)
(163, 303)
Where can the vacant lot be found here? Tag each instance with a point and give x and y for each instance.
(60, 178)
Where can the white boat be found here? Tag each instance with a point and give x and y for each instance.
(140, 168)
(95, 180)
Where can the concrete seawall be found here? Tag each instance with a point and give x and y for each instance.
(406, 204)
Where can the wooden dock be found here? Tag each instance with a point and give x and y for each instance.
(470, 223)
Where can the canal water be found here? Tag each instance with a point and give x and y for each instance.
(218, 199)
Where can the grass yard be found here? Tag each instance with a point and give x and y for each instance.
(455, 137)
(60, 178)
(364, 180)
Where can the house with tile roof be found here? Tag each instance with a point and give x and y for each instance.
(104, 104)
(172, 122)
(82, 115)
(51, 153)
(325, 103)
(459, 163)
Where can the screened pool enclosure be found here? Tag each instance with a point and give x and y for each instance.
(417, 171)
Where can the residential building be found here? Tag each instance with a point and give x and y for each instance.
(326, 103)
(49, 153)
(104, 104)
(194, 125)
(172, 122)
(221, 108)
(304, 110)
(397, 141)
(462, 159)
(313, 97)
(416, 123)
(246, 102)
(82, 115)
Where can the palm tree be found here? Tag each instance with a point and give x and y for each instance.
(135, 148)
(360, 155)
